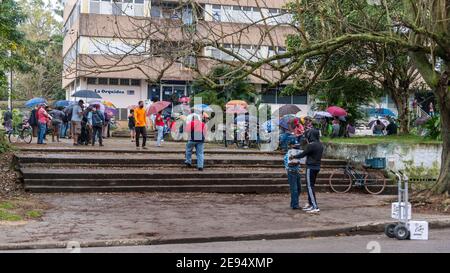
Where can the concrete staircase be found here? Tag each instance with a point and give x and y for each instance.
(126, 133)
(93, 170)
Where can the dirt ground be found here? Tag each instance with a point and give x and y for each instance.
(10, 184)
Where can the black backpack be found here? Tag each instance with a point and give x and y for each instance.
(33, 120)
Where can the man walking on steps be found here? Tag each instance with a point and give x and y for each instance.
(313, 151)
(140, 119)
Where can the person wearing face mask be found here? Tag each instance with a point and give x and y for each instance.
(140, 120)
(313, 152)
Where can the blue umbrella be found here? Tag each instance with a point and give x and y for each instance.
(63, 103)
(270, 125)
(35, 101)
(381, 112)
(203, 107)
(286, 121)
(88, 94)
(246, 118)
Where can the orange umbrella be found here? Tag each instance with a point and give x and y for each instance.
(108, 104)
(237, 103)
(236, 110)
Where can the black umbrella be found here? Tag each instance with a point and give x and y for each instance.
(288, 109)
(88, 94)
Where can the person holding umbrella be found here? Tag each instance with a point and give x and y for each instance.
(57, 120)
(140, 120)
(196, 131)
(43, 118)
(159, 122)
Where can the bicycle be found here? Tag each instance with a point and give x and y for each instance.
(24, 134)
(342, 180)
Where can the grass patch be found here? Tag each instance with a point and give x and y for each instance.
(19, 209)
(34, 214)
(6, 205)
(8, 216)
(368, 140)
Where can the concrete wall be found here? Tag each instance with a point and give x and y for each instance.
(422, 155)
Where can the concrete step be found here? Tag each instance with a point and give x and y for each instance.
(191, 188)
(123, 133)
(131, 174)
(152, 150)
(162, 182)
(156, 160)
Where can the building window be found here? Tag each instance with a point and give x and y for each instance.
(91, 80)
(155, 11)
(103, 81)
(124, 81)
(270, 96)
(113, 81)
(130, 92)
(136, 82)
(117, 7)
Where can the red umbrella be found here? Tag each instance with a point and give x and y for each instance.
(337, 111)
(184, 100)
(157, 106)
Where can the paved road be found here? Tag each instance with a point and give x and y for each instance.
(439, 242)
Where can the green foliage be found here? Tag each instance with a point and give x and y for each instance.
(223, 84)
(8, 216)
(4, 144)
(433, 128)
(34, 214)
(11, 40)
(369, 140)
(43, 79)
(349, 93)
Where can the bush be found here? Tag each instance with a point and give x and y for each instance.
(4, 145)
(433, 128)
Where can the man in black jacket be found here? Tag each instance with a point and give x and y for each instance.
(313, 151)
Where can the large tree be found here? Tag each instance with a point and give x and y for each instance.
(12, 42)
(43, 31)
(219, 87)
(324, 28)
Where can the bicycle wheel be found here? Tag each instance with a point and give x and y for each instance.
(340, 182)
(13, 137)
(374, 182)
(27, 136)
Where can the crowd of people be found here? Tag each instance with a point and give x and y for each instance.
(83, 124)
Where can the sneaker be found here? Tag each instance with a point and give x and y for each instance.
(307, 209)
(187, 165)
(313, 211)
(306, 206)
(200, 169)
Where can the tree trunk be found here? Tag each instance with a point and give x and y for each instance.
(443, 96)
(400, 98)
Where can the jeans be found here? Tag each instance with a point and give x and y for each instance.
(139, 131)
(295, 188)
(160, 135)
(42, 130)
(199, 151)
(63, 130)
(97, 132)
(311, 176)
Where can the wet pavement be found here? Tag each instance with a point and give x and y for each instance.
(93, 217)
